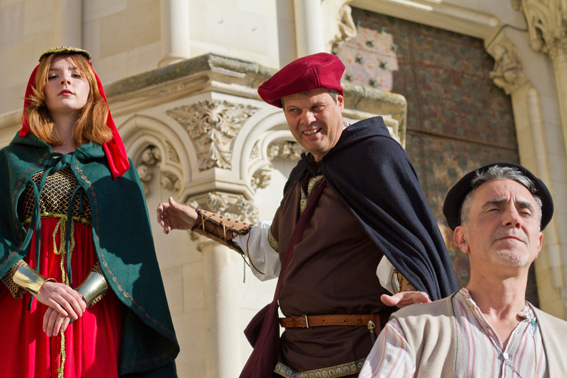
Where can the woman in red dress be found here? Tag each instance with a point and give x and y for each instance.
(58, 317)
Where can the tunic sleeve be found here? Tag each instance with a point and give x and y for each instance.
(257, 246)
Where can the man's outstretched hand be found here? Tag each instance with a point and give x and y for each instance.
(174, 216)
(405, 298)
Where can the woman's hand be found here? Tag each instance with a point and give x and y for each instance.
(174, 216)
(63, 299)
(54, 322)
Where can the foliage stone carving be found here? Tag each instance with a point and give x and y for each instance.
(212, 126)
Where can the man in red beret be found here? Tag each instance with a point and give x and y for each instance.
(353, 202)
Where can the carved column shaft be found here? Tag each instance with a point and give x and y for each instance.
(68, 23)
(222, 327)
(560, 67)
(174, 31)
(553, 242)
(308, 27)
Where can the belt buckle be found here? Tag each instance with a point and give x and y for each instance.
(306, 321)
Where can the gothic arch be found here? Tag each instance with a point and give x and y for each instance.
(175, 153)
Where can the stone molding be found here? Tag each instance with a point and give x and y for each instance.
(171, 153)
(211, 72)
(547, 25)
(213, 126)
(509, 70)
(434, 13)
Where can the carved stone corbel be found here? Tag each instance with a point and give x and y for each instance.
(150, 157)
(508, 72)
(145, 174)
(149, 160)
(213, 126)
(261, 178)
(346, 28)
(285, 150)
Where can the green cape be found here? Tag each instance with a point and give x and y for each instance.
(123, 242)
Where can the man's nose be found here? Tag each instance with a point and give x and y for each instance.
(308, 117)
(511, 217)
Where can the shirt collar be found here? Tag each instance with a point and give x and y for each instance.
(526, 313)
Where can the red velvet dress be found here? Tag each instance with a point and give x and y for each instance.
(89, 348)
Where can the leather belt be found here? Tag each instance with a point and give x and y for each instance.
(333, 320)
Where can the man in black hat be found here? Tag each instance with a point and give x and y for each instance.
(486, 329)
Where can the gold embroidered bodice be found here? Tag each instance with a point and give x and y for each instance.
(54, 198)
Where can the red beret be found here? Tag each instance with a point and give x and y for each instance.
(320, 70)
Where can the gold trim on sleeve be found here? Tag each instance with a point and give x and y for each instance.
(273, 242)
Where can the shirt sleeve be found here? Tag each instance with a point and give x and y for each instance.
(391, 356)
(385, 273)
(264, 261)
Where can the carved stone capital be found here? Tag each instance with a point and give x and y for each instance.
(508, 72)
(547, 26)
(213, 126)
(558, 50)
(231, 205)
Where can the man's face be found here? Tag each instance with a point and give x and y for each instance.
(503, 230)
(315, 120)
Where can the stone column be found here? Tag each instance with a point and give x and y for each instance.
(548, 33)
(553, 242)
(174, 31)
(559, 58)
(68, 23)
(308, 27)
(221, 300)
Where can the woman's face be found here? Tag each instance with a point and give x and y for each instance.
(67, 89)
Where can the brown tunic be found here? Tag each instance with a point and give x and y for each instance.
(333, 271)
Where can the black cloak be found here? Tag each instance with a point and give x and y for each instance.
(373, 176)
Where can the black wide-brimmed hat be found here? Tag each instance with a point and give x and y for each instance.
(457, 194)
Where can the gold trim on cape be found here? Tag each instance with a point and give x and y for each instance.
(305, 198)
